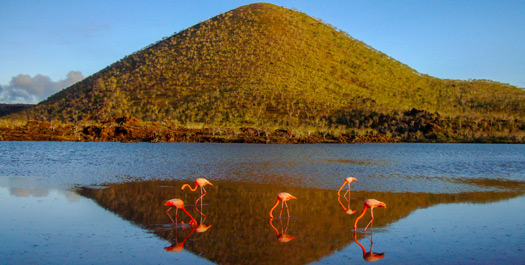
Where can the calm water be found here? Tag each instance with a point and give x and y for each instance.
(103, 203)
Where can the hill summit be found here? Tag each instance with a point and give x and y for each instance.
(266, 66)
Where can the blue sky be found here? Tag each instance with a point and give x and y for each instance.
(59, 41)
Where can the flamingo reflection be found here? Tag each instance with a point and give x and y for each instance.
(178, 246)
(201, 227)
(199, 182)
(347, 181)
(369, 203)
(347, 209)
(282, 236)
(369, 256)
(178, 204)
(282, 197)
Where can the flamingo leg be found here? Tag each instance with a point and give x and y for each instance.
(287, 209)
(172, 222)
(281, 222)
(347, 192)
(197, 209)
(371, 220)
(199, 197)
(197, 201)
(287, 223)
(202, 194)
(368, 225)
(200, 212)
(282, 207)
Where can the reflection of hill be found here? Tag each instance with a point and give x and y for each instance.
(239, 215)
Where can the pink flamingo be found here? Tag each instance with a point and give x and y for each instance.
(369, 203)
(178, 247)
(201, 228)
(282, 237)
(345, 209)
(369, 256)
(283, 197)
(200, 182)
(347, 180)
(178, 204)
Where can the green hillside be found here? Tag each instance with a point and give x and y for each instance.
(265, 66)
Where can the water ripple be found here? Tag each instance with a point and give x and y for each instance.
(379, 167)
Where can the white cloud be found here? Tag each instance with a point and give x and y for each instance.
(26, 89)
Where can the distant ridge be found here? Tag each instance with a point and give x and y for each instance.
(6, 109)
(265, 66)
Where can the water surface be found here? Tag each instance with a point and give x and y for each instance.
(93, 202)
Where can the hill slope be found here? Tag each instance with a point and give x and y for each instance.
(6, 109)
(265, 66)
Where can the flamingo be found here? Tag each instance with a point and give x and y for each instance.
(178, 204)
(201, 228)
(347, 180)
(345, 209)
(178, 247)
(369, 203)
(369, 256)
(282, 237)
(283, 197)
(199, 182)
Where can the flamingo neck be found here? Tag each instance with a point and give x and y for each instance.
(187, 185)
(360, 216)
(339, 200)
(193, 230)
(362, 248)
(276, 231)
(276, 203)
(339, 191)
(194, 222)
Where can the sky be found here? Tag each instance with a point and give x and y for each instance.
(48, 45)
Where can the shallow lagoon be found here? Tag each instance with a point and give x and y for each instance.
(102, 203)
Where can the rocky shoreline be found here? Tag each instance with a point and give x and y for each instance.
(130, 129)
